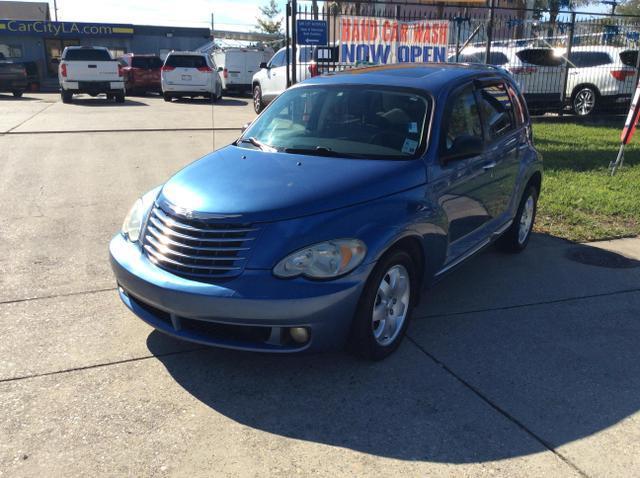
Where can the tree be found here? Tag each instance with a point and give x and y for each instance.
(630, 7)
(270, 20)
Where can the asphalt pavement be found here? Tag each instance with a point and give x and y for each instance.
(515, 365)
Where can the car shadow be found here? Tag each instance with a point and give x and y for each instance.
(564, 369)
(102, 101)
(224, 101)
(10, 97)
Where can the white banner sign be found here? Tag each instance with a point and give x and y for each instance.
(384, 41)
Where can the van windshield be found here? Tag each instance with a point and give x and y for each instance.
(374, 122)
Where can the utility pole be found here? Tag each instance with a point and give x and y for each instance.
(55, 10)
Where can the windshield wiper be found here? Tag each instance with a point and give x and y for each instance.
(258, 144)
(320, 151)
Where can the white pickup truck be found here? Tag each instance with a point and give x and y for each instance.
(90, 70)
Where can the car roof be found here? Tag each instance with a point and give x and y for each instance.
(432, 76)
(84, 47)
(192, 53)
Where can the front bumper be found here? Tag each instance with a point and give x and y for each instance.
(251, 312)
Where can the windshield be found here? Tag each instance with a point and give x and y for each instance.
(350, 121)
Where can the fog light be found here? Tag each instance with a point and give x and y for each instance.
(299, 334)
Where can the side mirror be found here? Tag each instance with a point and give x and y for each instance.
(220, 69)
(245, 127)
(465, 146)
(264, 66)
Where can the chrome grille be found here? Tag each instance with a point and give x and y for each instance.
(198, 249)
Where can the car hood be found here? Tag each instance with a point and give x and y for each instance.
(265, 187)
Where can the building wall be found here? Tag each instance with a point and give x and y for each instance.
(145, 39)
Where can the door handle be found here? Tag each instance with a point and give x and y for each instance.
(489, 166)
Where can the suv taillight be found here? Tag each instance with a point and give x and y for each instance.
(225, 73)
(204, 69)
(313, 69)
(168, 68)
(63, 70)
(621, 75)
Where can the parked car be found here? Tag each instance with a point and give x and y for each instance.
(13, 77)
(271, 80)
(238, 66)
(597, 75)
(91, 70)
(191, 74)
(325, 220)
(141, 73)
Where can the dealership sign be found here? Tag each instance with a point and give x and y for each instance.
(384, 41)
(63, 29)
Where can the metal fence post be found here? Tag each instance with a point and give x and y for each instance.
(294, 42)
(487, 53)
(287, 42)
(565, 76)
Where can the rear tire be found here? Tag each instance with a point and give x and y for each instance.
(120, 98)
(584, 101)
(258, 103)
(385, 307)
(67, 96)
(17, 93)
(516, 238)
(167, 97)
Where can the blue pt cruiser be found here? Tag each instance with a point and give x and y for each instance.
(321, 225)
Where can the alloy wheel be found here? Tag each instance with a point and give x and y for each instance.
(391, 305)
(526, 220)
(584, 102)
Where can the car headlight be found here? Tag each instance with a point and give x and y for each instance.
(325, 260)
(132, 225)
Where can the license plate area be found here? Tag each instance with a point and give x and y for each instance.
(186, 77)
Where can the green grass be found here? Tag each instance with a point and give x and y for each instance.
(580, 201)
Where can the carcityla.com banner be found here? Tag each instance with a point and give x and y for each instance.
(370, 40)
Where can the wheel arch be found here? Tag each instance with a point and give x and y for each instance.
(413, 246)
(585, 85)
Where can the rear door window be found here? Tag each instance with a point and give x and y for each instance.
(87, 54)
(586, 59)
(186, 61)
(540, 57)
(496, 110)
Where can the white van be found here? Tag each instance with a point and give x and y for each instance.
(238, 66)
(188, 73)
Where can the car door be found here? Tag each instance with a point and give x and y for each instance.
(458, 181)
(275, 72)
(504, 139)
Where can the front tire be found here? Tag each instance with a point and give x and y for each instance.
(385, 307)
(258, 102)
(167, 97)
(119, 98)
(516, 238)
(17, 93)
(584, 101)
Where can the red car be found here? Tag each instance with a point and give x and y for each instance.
(141, 73)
